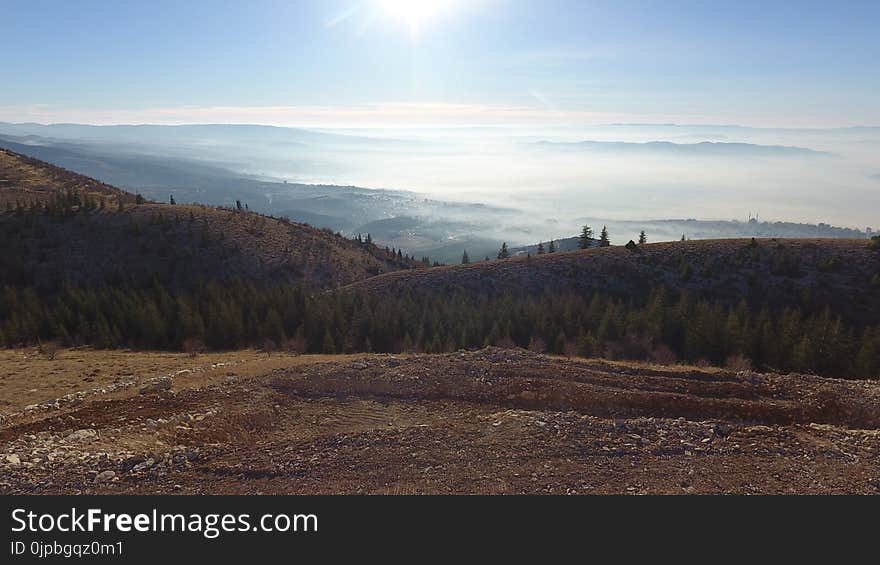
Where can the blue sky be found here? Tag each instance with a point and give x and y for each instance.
(357, 62)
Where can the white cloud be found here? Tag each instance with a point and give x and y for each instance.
(545, 112)
(390, 114)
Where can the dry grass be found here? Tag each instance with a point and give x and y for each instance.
(29, 377)
(26, 180)
(637, 365)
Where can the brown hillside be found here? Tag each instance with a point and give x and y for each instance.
(24, 180)
(769, 272)
(179, 244)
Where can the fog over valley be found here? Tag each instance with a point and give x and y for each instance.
(436, 191)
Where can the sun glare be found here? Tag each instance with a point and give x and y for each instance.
(414, 12)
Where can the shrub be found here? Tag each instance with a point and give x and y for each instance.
(738, 362)
(537, 345)
(662, 355)
(295, 345)
(505, 343)
(269, 346)
(50, 349)
(570, 349)
(192, 346)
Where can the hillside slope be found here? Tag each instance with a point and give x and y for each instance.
(24, 180)
(764, 273)
(58, 226)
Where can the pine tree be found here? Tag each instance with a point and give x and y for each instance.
(171, 200)
(706, 271)
(552, 247)
(540, 248)
(329, 346)
(643, 238)
(559, 343)
(503, 253)
(682, 237)
(465, 259)
(138, 199)
(586, 239)
(603, 237)
(685, 270)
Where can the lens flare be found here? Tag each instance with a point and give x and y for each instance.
(415, 12)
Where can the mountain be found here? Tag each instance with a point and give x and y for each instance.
(204, 163)
(703, 148)
(765, 273)
(61, 227)
(78, 269)
(671, 230)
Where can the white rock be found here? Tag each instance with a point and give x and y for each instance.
(159, 385)
(80, 435)
(143, 465)
(105, 476)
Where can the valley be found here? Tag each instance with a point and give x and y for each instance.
(187, 349)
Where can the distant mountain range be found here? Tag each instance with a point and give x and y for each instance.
(208, 164)
(707, 148)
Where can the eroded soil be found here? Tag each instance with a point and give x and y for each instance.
(490, 421)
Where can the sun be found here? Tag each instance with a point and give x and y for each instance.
(415, 12)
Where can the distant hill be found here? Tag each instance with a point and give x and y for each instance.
(164, 160)
(25, 180)
(768, 273)
(567, 244)
(672, 229)
(702, 148)
(61, 227)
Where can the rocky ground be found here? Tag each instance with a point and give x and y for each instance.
(489, 421)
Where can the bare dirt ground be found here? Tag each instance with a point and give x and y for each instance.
(489, 421)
